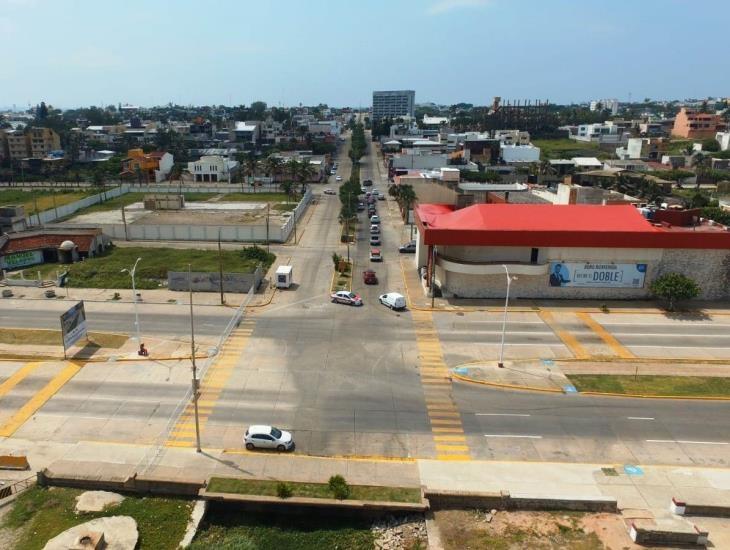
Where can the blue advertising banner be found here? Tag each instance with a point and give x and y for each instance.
(596, 275)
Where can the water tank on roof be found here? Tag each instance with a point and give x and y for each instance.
(67, 246)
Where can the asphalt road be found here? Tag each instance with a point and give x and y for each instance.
(157, 319)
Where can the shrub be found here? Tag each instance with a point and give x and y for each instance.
(258, 254)
(283, 490)
(339, 487)
(674, 287)
(336, 259)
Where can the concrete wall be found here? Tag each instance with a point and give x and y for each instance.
(53, 214)
(463, 500)
(210, 282)
(709, 268)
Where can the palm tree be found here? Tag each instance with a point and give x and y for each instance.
(273, 166)
(287, 187)
(546, 168)
(305, 172)
(250, 164)
(688, 149)
(702, 166)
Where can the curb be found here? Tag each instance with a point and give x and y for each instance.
(96, 359)
(357, 458)
(590, 393)
(504, 386)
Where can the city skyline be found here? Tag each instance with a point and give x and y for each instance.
(153, 54)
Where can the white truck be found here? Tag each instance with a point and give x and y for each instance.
(284, 276)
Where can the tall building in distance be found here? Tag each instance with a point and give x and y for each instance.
(393, 103)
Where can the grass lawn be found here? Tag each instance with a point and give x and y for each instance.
(226, 528)
(677, 146)
(105, 271)
(568, 148)
(312, 490)
(44, 199)
(42, 513)
(285, 207)
(43, 337)
(257, 197)
(680, 386)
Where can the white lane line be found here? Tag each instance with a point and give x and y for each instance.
(687, 442)
(515, 436)
(640, 417)
(499, 414)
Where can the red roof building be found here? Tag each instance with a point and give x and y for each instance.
(619, 248)
(26, 248)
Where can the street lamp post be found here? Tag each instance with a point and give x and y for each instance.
(134, 298)
(195, 367)
(504, 317)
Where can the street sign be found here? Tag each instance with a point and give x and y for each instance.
(73, 325)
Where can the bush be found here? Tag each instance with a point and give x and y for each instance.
(674, 287)
(339, 487)
(283, 490)
(258, 254)
(336, 259)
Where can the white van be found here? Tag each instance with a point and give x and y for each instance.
(393, 300)
(284, 276)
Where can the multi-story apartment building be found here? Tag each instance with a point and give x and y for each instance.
(394, 103)
(691, 124)
(42, 142)
(18, 144)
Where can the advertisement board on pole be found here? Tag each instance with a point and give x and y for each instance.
(597, 275)
(73, 325)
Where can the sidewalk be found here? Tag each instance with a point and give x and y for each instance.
(550, 374)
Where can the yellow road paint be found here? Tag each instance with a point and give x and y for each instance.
(39, 399)
(445, 421)
(570, 341)
(18, 376)
(449, 438)
(452, 448)
(434, 414)
(447, 430)
(606, 336)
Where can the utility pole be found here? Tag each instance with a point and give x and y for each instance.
(500, 364)
(268, 206)
(433, 276)
(192, 357)
(134, 297)
(220, 266)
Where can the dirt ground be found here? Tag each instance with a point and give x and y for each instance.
(251, 216)
(471, 530)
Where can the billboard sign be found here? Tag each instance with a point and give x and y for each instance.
(22, 259)
(597, 275)
(73, 325)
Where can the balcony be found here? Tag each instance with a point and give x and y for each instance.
(491, 268)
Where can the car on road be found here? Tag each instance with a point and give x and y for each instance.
(360, 206)
(375, 228)
(375, 255)
(338, 178)
(374, 219)
(268, 437)
(393, 300)
(333, 172)
(369, 277)
(329, 192)
(346, 297)
(367, 183)
(375, 192)
(408, 248)
(363, 190)
(374, 239)
(381, 197)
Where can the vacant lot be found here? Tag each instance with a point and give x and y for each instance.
(227, 528)
(40, 514)
(462, 530)
(42, 200)
(680, 386)
(105, 271)
(568, 148)
(129, 198)
(43, 337)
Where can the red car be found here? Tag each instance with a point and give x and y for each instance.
(369, 277)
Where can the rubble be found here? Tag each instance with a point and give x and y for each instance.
(396, 533)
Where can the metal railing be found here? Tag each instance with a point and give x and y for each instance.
(153, 455)
(7, 491)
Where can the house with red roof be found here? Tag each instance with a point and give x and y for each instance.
(570, 251)
(27, 248)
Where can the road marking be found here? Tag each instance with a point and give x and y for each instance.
(608, 338)
(640, 417)
(500, 414)
(570, 341)
(216, 378)
(515, 436)
(18, 376)
(685, 442)
(453, 448)
(39, 399)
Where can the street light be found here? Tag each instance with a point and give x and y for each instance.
(504, 317)
(134, 297)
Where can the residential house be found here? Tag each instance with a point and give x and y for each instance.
(3, 145)
(692, 124)
(723, 138)
(512, 137)
(149, 167)
(605, 104)
(213, 168)
(607, 133)
(26, 248)
(246, 133)
(642, 148)
(18, 144)
(43, 141)
(519, 153)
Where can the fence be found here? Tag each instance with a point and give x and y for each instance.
(58, 212)
(153, 455)
(211, 282)
(17, 487)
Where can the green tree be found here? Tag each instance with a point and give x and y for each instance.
(287, 187)
(711, 145)
(305, 173)
(674, 287)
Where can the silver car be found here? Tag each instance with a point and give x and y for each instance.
(268, 437)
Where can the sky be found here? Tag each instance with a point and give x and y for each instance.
(72, 53)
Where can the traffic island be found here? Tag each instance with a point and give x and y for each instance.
(342, 276)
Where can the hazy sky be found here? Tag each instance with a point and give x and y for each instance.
(82, 52)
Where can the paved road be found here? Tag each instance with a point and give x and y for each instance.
(157, 319)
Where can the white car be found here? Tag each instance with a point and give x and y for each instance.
(393, 300)
(268, 437)
(374, 219)
(375, 228)
(329, 192)
(338, 178)
(346, 297)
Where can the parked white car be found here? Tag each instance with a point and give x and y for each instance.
(268, 437)
(393, 300)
